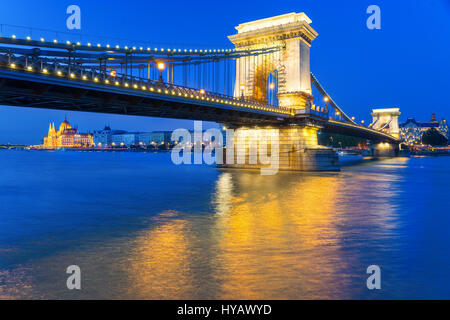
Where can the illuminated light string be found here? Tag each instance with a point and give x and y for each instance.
(200, 94)
(134, 48)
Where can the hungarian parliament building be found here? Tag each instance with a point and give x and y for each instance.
(66, 137)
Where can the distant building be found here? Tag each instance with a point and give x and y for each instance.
(111, 138)
(66, 137)
(411, 131)
(154, 138)
(126, 139)
(115, 138)
(103, 137)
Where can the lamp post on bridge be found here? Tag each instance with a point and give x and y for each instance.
(161, 66)
(326, 104)
(242, 88)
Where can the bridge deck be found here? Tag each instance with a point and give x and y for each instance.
(37, 89)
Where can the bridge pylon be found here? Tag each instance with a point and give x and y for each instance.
(386, 120)
(291, 33)
(290, 36)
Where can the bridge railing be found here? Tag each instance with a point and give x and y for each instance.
(315, 111)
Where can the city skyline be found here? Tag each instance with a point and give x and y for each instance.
(359, 53)
(116, 122)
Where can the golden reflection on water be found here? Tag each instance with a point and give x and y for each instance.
(270, 237)
(161, 269)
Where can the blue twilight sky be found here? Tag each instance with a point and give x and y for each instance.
(405, 64)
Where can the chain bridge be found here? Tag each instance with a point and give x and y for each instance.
(263, 82)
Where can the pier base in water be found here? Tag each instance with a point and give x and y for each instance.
(385, 150)
(287, 148)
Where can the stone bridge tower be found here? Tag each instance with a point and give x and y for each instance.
(290, 35)
(291, 32)
(386, 120)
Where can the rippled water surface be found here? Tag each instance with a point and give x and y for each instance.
(140, 227)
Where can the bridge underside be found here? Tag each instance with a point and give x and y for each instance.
(357, 131)
(61, 94)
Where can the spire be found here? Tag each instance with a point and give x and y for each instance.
(433, 118)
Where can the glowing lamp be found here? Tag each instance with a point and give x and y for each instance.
(161, 66)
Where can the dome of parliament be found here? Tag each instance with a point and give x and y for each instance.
(65, 125)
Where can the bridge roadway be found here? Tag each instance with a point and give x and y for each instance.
(28, 87)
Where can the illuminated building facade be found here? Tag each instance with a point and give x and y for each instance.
(112, 138)
(155, 138)
(66, 137)
(411, 131)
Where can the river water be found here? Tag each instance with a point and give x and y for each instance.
(140, 227)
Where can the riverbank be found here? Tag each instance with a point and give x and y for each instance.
(98, 149)
(431, 153)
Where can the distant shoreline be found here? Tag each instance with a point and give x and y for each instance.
(94, 149)
(436, 152)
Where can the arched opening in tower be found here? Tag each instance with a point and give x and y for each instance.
(266, 84)
(272, 88)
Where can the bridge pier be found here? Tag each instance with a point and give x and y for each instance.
(278, 148)
(384, 150)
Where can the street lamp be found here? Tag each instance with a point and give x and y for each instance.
(242, 88)
(161, 66)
